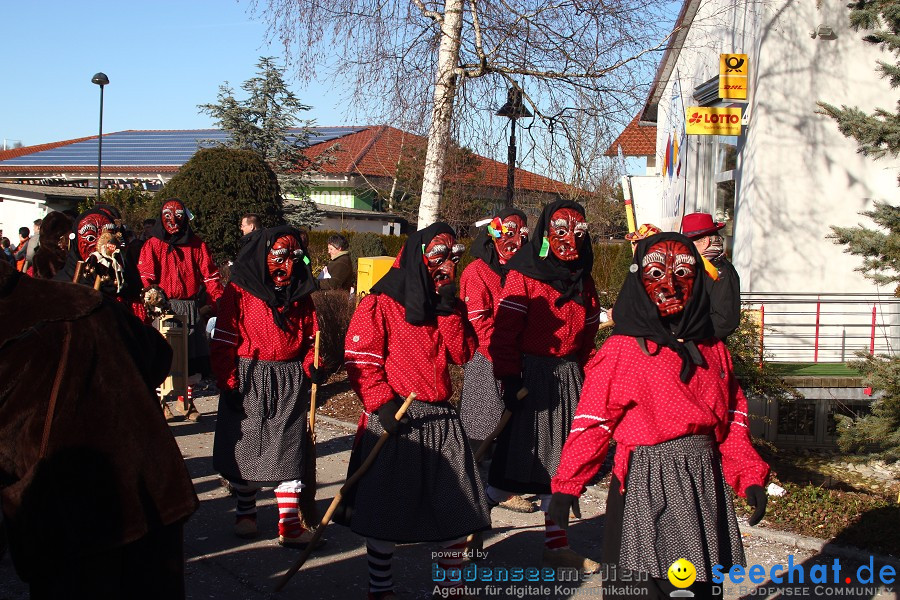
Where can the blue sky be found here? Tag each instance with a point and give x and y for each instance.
(162, 57)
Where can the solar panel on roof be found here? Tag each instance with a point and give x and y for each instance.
(147, 148)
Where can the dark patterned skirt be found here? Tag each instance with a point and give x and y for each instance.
(529, 447)
(264, 442)
(480, 404)
(423, 486)
(675, 506)
(198, 345)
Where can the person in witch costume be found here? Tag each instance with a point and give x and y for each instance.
(424, 485)
(480, 283)
(664, 388)
(262, 354)
(179, 262)
(547, 316)
(89, 227)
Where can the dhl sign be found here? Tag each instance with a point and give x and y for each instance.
(706, 120)
(733, 70)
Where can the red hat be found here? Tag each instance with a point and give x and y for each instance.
(699, 224)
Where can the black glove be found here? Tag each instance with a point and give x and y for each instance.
(386, 417)
(447, 299)
(317, 375)
(560, 505)
(511, 386)
(233, 399)
(205, 312)
(756, 497)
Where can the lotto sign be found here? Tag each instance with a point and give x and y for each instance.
(733, 76)
(705, 120)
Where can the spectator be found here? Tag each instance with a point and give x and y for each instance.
(250, 222)
(338, 273)
(7, 253)
(725, 288)
(147, 229)
(22, 248)
(50, 257)
(33, 242)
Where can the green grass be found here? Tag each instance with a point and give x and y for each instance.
(814, 369)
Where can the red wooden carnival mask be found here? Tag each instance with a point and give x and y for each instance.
(509, 234)
(89, 229)
(668, 272)
(441, 256)
(566, 233)
(281, 259)
(174, 216)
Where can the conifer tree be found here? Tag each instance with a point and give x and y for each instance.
(877, 135)
(268, 122)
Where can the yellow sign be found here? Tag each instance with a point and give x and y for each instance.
(707, 120)
(733, 76)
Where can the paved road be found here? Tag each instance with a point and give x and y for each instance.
(222, 566)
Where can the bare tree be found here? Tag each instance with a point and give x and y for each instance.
(579, 62)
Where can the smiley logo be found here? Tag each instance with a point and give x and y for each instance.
(682, 573)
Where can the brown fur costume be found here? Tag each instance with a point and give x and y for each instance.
(93, 487)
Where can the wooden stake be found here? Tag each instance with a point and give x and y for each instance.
(312, 394)
(339, 496)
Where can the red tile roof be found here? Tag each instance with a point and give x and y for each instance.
(372, 152)
(635, 139)
(375, 151)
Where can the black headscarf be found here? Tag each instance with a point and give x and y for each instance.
(483, 246)
(409, 282)
(251, 272)
(636, 315)
(566, 277)
(179, 239)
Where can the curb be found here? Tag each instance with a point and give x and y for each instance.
(794, 540)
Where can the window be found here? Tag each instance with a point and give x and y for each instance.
(716, 188)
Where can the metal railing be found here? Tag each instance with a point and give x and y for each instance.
(830, 327)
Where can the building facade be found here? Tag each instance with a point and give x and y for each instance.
(787, 175)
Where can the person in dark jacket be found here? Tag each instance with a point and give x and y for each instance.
(725, 286)
(50, 257)
(338, 273)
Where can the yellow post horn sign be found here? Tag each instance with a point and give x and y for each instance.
(733, 76)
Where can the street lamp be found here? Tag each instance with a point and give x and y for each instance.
(514, 109)
(100, 79)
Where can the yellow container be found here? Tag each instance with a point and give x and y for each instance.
(369, 271)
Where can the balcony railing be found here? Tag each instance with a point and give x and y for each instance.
(798, 327)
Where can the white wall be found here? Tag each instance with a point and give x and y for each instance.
(350, 224)
(19, 212)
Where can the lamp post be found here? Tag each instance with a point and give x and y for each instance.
(100, 79)
(513, 109)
